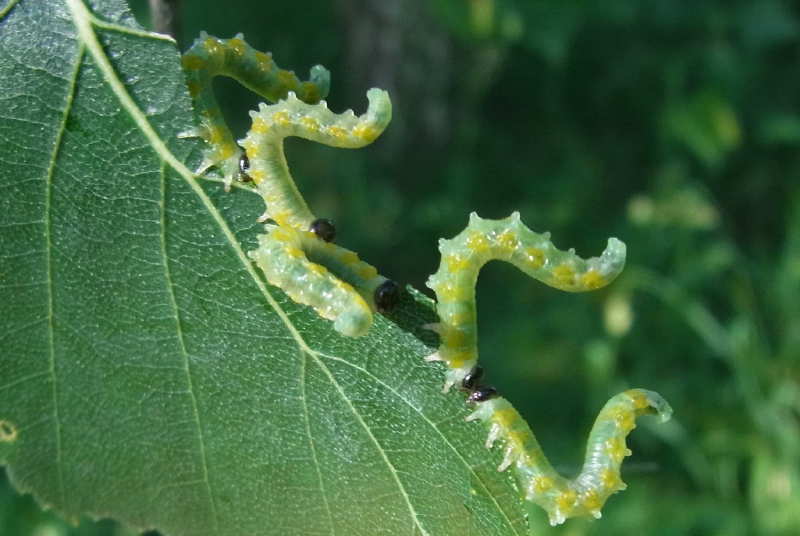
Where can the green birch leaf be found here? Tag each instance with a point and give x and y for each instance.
(147, 372)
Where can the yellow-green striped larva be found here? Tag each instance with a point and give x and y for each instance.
(454, 284)
(263, 144)
(328, 277)
(600, 476)
(508, 240)
(209, 57)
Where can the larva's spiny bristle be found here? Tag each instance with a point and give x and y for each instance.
(209, 57)
(600, 476)
(329, 278)
(292, 117)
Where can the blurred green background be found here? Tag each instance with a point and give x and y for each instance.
(671, 124)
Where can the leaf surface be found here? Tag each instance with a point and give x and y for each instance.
(147, 372)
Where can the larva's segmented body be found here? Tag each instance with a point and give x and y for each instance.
(329, 278)
(292, 117)
(454, 284)
(600, 476)
(508, 240)
(209, 57)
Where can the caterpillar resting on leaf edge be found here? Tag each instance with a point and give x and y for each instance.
(329, 278)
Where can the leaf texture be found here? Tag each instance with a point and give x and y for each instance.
(147, 371)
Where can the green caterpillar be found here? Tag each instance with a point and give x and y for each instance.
(511, 241)
(266, 163)
(296, 262)
(296, 255)
(209, 57)
(600, 475)
(454, 284)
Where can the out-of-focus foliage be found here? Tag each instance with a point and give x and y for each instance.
(673, 125)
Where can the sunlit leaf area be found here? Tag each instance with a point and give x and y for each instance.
(671, 125)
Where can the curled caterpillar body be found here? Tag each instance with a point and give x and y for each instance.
(600, 476)
(293, 117)
(328, 277)
(209, 57)
(511, 241)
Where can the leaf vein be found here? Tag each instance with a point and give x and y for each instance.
(392, 469)
(48, 239)
(433, 426)
(313, 446)
(184, 354)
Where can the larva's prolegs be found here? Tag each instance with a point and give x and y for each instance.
(209, 57)
(323, 275)
(509, 240)
(293, 117)
(600, 476)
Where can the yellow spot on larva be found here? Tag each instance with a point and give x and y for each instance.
(8, 432)
(281, 118)
(257, 175)
(507, 241)
(592, 279)
(343, 286)
(253, 151)
(453, 337)
(505, 417)
(541, 484)
(348, 258)
(238, 46)
(260, 126)
(264, 61)
(212, 46)
(591, 500)
(317, 269)
(250, 145)
(287, 79)
(625, 420)
(459, 317)
(309, 92)
(450, 292)
(193, 62)
(609, 479)
(566, 500)
(225, 150)
(535, 257)
(311, 124)
(616, 449)
(564, 274)
(215, 135)
(456, 263)
(477, 242)
(337, 132)
(281, 217)
(280, 235)
(638, 398)
(294, 252)
(367, 272)
(457, 359)
(366, 133)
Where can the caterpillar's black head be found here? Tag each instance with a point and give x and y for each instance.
(324, 229)
(473, 377)
(244, 166)
(482, 394)
(387, 296)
